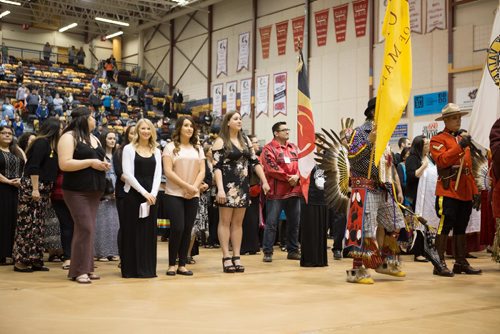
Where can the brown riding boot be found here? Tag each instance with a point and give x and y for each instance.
(440, 244)
(461, 264)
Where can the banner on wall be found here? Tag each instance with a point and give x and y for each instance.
(431, 128)
(427, 104)
(400, 131)
(321, 20)
(245, 97)
(436, 15)
(262, 94)
(298, 31)
(416, 16)
(243, 51)
(340, 21)
(279, 97)
(217, 100)
(265, 40)
(360, 9)
(382, 6)
(231, 87)
(281, 36)
(465, 97)
(221, 57)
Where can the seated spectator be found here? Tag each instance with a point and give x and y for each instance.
(130, 92)
(18, 126)
(8, 109)
(42, 113)
(148, 100)
(2, 72)
(58, 105)
(5, 122)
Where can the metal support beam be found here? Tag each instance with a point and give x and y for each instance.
(171, 60)
(209, 61)
(254, 57)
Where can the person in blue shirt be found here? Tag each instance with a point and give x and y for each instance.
(7, 109)
(18, 126)
(116, 105)
(106, 102)
(42, 112)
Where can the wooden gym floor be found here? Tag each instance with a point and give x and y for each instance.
(278, 297)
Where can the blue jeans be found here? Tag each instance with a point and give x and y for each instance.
(292, 210)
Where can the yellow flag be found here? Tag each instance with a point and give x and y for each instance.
(395, 78)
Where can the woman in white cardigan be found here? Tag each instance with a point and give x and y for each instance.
(141, 165)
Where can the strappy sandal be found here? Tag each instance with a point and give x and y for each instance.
(231, 269)
(65, 266)
(238, 267)
(82, 279)
(93, 276)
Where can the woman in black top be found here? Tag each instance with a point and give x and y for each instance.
(81, 159)
(40, 174)
(416, 163)
(11, 169)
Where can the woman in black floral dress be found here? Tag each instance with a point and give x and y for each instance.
(233, 153)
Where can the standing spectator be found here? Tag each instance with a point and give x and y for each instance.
(178, 99)
(80, 56)
(19, 73)
(401, 170)
(94, 101)
(94, 82)
(40, 173)
(47, 50)
(495, 185)
(403, 142)
(106, 87)
(42, 112)
(233, 156)
(141, 162)
(58, 105)
(106, 238)
(81, 158)
(148, 100)
(32, 102)
(72, 55)
(8, 110)
(109, 68)
(25, 140)
(11, 169)
(21, 92)
(140, 95)
(107, 102)
(167, 108)
(280, 160)
(129, 92)
(5, 53)
(18, 126)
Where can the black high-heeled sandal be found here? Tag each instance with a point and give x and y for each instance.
(231, 269)
(238, 267)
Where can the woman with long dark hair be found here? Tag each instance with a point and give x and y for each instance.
(233, 155)
(141, 163)
(416, 163)
(11, 169)
(81, 159)
(184, 166)
(40, 174)
(106, 237)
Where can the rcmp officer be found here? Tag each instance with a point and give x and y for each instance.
(456, 191)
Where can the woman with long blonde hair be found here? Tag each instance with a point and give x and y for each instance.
(233, 154)
(141, 163)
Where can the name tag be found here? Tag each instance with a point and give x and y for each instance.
(287, 160)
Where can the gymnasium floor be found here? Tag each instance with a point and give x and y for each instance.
(279, 297)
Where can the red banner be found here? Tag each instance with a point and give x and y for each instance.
(281, 35)
(265, 40)
(360, 8)
(321, 19)
(298, 31)
(340, 21)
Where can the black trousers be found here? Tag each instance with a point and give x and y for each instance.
(66, 226)
(182, 214)
(454, 215)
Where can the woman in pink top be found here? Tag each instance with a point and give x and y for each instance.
(184, 166)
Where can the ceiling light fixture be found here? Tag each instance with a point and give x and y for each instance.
(118, 33)
(69, 26)
(7, 12)
(11, 2)
(120, 23)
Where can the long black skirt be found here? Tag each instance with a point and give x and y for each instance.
(8, 218)
(250, 240)
(137, 239)
(313, 229)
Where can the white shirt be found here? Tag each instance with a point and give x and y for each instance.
(128, 158)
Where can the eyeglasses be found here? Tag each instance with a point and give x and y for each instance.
(7, 133)
(281, 130)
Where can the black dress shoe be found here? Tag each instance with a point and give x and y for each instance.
(171, 273)
(24, 270)
(185, 273)
(39, 268)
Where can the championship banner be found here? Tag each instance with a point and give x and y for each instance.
(243, 51)
(217, 100)
(382, 6)
(262, 94)
(245, 97)
(231, 87)
(416, 16)
(221, 57)
(360, 8)
(340, 21)
(298, 31)
(281, 36)
(265, 40)
(436, 15)
(279, 97)
(321, 19)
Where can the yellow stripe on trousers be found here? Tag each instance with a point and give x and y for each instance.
(440, 212)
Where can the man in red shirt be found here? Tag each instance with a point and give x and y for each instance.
(495, 186)
(456, 190)
(280, 160)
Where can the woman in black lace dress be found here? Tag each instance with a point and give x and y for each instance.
(11, 168)
(233, 155)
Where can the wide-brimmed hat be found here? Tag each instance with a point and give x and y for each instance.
(451, 109)
(371, 105)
